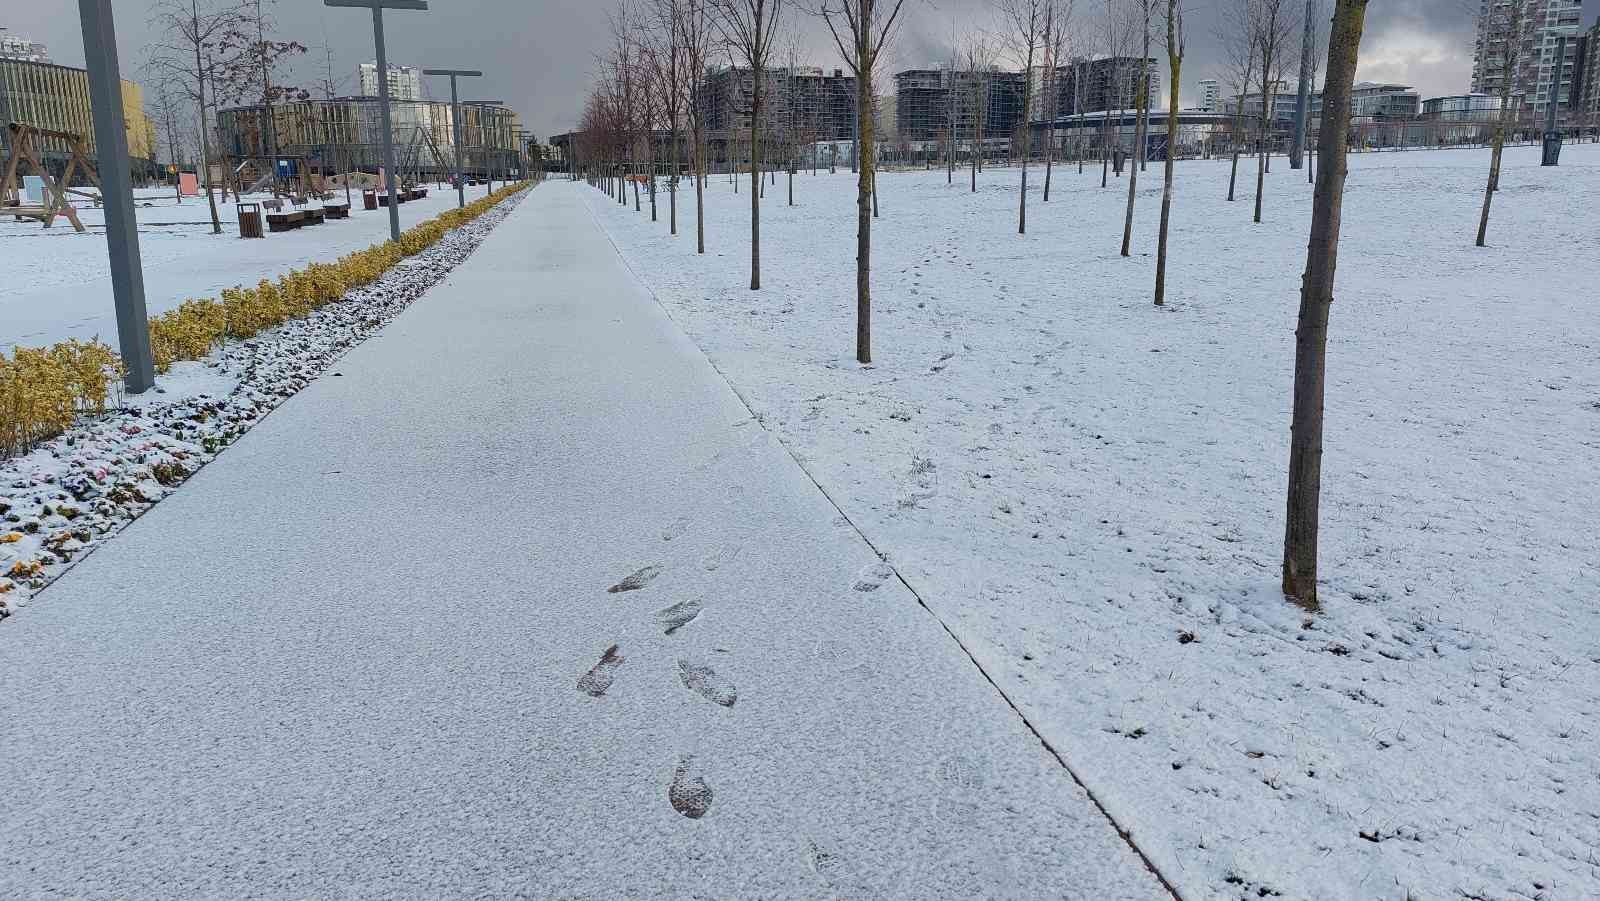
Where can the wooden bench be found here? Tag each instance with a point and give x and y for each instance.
(282, 222)
(336, 210)
(274, 205)
(312, 216)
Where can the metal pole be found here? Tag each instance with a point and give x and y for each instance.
(116, 191)
(388, 124)
(1552, 138)
(1302, 107)
(455, 116)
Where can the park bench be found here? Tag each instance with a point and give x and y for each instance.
(282, 222)
(274, 205)
(313, 216)
(336, 210)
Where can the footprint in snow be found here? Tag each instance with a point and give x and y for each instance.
(708, 683)
(719, 557)
(872, 577)
(689, 793)
(678, 615)
(595, 682)
(675, 529)
(636, 580)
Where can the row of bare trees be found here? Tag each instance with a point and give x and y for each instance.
(862, 28)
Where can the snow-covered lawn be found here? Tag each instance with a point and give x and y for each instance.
(71, 494)
(1090, 492)
(55, 283)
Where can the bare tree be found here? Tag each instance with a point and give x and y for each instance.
(869, 24)
(1274, 26)
(1175, 47)
(1316, 297)
(248, 61)
(1236, 35)
(978, 57)
(697, 37)
(1024, 40)
(674, 82)
(750, 28)
(1141, 108)
(1058, 14)
(173, 131)
(1117, 32)
(190, 33)
(1507, 18)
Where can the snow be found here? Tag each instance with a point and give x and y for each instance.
(363, 653)
(68, 496)
(55, 283)
(1089, 492)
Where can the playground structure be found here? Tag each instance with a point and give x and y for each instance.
(24, 139)
(410, 163)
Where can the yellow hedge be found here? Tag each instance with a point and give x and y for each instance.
(43, 389)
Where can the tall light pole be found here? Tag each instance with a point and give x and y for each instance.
(116, 191)
(455, 118)
(377, 7)
(1302, 106)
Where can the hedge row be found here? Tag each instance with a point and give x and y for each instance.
(42, 390)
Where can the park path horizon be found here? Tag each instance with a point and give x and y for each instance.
(518, 599)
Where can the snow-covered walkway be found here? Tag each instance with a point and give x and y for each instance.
(518, 601)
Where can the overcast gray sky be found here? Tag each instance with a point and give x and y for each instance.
(537, 54)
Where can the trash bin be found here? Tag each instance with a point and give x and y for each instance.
(250, 220)
(369, 199)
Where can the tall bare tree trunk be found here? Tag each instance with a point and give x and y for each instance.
(1139, 140)
(865, 187)
(755, 183)
(1175, 64)
(1316, 297)
(1499, 142)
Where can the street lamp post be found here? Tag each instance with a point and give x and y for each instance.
(377, 7)
(455, 117)
(116, 192)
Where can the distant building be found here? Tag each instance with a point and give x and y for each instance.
(22, 49)
(1588, 109)
(405, 82)
(1369, 100)
(930, 102)
(1097, 85)
(1543, 22)
(804, 103)
(345, 134)
(1461, 108)
(1284, 104)
(56, 98)
(1210, 95)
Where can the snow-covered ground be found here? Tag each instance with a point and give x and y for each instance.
(1089, 491)
(55, 283)
(71, 494)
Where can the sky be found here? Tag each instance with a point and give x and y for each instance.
(538, 55)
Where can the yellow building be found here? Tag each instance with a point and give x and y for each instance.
(57, 98)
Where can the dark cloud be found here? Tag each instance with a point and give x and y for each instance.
(537, 55)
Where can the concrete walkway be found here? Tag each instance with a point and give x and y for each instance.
(368, 652)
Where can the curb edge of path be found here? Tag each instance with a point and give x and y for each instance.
(1060, 758)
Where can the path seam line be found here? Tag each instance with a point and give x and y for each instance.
(1125, 834)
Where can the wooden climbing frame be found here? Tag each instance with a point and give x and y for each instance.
(23, 147)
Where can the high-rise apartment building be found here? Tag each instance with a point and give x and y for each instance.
(1210, 95)
(22, 49)
(1516, 47)
(405, 82)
